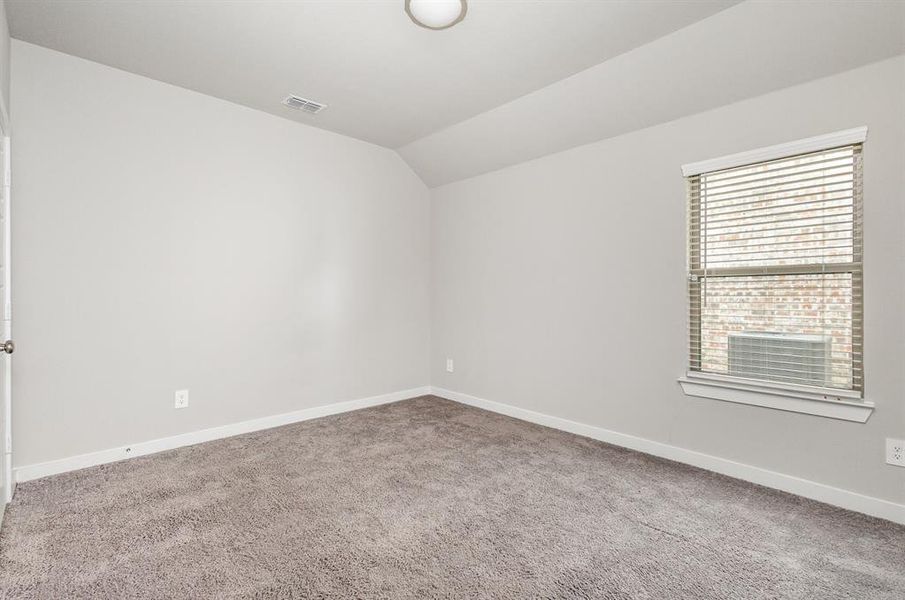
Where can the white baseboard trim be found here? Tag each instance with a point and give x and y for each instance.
(875, 507)
(72, 463)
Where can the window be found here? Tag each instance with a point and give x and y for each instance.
(775, 270)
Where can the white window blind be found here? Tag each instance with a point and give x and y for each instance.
(775, 270)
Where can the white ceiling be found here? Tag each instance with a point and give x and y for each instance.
(384, 79)
(748, 50)
(516, 80)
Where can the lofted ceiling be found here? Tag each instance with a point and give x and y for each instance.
(750, 49)
(516, 80)
(384, 79)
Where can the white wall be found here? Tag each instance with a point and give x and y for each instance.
(163, 239)
(559, 286)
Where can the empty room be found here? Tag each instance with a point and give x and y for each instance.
(441, 299)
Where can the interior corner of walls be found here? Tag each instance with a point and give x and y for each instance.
(400, 156)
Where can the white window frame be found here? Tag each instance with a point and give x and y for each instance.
(824, 402)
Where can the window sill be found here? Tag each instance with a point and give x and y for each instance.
(811, 403)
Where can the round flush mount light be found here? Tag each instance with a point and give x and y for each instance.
(436, 14)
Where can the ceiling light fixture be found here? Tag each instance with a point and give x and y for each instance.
(436, 14)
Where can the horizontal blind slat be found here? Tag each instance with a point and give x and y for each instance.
(838, 163)
(747, 208)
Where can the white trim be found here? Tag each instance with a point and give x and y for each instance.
(72, 463)
(812, 403)
(876, 507)
(797, 389)
(856, 135)
(6, 450)
(4, 118)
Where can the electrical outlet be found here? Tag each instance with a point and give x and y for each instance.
(449, 365)
(895, 452)
(182, 399)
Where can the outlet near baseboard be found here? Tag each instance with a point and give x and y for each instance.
(181, 399)
(895, 452)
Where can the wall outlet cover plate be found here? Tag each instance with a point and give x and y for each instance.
(895, 452)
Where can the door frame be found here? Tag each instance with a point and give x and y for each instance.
(6, 394)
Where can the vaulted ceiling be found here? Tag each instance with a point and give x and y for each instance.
(384, 79)
(515, 80)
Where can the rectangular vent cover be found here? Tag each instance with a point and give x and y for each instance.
(309, 106)
(793, 358)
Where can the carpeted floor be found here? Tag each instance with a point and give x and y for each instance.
(427, 498)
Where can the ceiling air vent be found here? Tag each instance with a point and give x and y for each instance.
(309, 106)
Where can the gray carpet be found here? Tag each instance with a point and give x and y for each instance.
(427, 498)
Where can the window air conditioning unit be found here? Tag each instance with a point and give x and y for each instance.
(787, 357)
